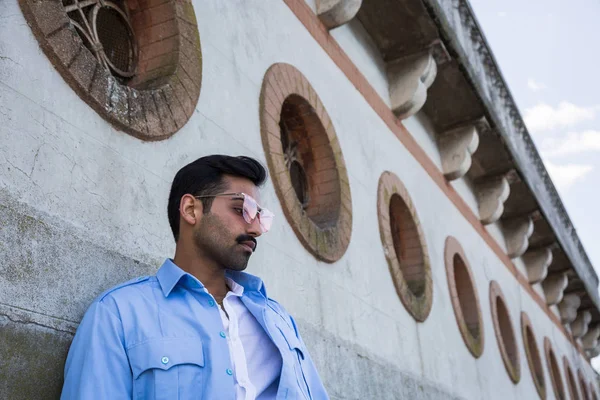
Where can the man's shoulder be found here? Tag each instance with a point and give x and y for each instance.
(125, 288)
(118, 300)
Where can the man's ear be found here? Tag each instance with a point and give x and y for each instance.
(190, 210)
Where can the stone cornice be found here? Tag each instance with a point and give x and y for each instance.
(464, 38)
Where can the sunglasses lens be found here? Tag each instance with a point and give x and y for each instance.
(265, 217)
(250, 209)
(266, 220)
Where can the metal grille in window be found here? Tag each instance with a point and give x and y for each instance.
(294, 165)
(106, 31)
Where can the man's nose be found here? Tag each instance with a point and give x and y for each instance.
(254, 228)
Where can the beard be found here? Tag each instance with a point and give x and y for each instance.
(214, 240)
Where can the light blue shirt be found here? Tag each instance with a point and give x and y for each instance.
(159, 337)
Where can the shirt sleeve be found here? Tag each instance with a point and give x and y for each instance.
(97, 366)
(317, 390)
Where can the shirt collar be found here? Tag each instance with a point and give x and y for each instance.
(249, 282)
(169, 275)
(234, 288)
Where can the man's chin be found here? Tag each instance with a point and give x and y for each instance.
(238, 268)
(239, 264)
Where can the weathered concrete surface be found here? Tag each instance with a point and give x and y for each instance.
(342, 364)
(45, 265)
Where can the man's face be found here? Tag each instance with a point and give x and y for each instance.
(223, 234)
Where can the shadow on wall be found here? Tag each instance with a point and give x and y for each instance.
(33, 358)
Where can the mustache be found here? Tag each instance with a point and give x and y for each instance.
(247, 238)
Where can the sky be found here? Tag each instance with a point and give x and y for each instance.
(548, 54)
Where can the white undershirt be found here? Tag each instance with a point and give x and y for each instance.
(255, 359)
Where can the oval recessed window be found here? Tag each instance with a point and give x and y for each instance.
(464, 297)
(306, 163)
(554, 370)
(308, 157)
(533, 356)
(505, 334)
(570, 380)
(115, 35)
(300, 183)
(404, 246)
(582, 386)
(138, 64)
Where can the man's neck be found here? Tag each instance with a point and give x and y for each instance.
(206, 271)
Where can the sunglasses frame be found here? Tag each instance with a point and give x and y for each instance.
(249, 207)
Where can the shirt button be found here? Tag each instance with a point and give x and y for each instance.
(164, 360)
(229, 371)
(222, 334)
(211, 303)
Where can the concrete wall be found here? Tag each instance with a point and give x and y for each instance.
(83, 207)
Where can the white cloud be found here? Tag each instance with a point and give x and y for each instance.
(543, 117)
(564, 176)
(502, 14)
(535, 86)
(572, 143)
(596, 363)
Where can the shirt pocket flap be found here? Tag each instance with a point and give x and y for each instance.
(291, 339)
(165, 353)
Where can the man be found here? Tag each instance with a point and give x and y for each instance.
(200, 328)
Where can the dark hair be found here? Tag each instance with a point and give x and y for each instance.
(205, 177)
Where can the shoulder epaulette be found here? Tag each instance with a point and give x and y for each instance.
(124, 284)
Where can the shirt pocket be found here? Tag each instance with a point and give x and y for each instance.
(297, 355)
(167, 368)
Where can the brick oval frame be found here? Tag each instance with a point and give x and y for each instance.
(554, 370)
(418, 305)
(327, 242)
(163, 94)
(505, 333)
(534, 359)
(570, 378)
(475, 343)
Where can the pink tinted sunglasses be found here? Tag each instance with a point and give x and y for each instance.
(250, 210)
